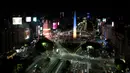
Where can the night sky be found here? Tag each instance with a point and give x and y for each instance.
(53, 7)
(97, 8)
(55, 11)
(104, 9)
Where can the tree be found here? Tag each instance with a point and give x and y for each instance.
(39, 47)
(18, 68)
(120, 65)
(44, 44)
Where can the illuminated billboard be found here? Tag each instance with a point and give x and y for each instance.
(28, 19)
(39, 30)
(112, 24)
(58, 23)
(27, 33)
(17, 20)
(99, 20)
(35, 19)
(55, 25)
(104, 19)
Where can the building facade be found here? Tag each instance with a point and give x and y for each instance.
(119, 40)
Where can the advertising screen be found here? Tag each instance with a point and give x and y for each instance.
(27, 33)
(17, 20)
(35, 19)
(28, 19)
(55, 25)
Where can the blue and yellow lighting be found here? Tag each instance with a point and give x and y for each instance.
(74, 27)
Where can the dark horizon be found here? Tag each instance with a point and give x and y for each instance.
(55, 10)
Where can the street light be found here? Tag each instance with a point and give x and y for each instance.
(57, 50)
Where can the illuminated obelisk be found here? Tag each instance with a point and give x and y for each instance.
(74, 26)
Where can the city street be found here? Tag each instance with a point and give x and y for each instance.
(75, 41)
(79, 63)
(37, 61)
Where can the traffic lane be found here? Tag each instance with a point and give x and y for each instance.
(37, 59)
(39, 64)
(61, 47)
(43, 55)
(72, 57)
(54, 66)
(59, 67)
(51, 65)
(87, 61)
(85, 58)
(79, 51)
(78, 67)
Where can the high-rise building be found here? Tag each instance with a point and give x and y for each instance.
(118, 38)
(61, 14)
(6, 37)
(46, 30)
